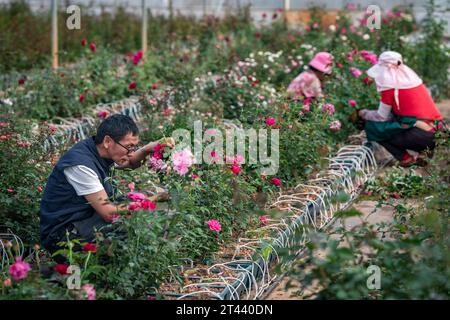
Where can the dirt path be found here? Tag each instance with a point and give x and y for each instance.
(444, 107)
(370, 215)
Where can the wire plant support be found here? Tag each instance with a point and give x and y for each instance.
(309, 206)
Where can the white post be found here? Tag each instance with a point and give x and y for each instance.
(144, 27)
(287, 5)
(54, 34)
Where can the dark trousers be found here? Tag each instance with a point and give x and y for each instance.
(83, 230)
(413, 139)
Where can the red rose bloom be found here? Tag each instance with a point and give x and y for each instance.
(147, 204)
(236, 169)
(61, 268)
(90, 247)
(276, 181)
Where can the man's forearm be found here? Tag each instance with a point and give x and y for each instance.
(109, 211)
(140, 155)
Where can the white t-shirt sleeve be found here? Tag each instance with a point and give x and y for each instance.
(83, 179)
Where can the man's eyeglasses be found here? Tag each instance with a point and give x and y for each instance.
(129, 149)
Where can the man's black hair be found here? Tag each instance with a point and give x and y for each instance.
(116, 126)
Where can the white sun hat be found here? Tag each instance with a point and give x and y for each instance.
(391, 73)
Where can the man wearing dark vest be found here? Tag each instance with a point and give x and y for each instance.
(76, 197)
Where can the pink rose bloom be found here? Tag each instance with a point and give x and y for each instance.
(137, 57)
(351, 6)
(24, 144)
(115, 218)
(102, 114)
(90, 291)
(131, 186)
(136, 196)
(7, 282)
(135, 60)
(364, 53)
(355, 72)
(235, 168)
(352, 102)
(182, 161)
(19, 269)
(276, 181)
(139, 54)
(238, 159)
(305, 108)
(211, 132)
(147, 204)
(270, 121)
(134, 206)
(335, 125)
(328, 108)
(157, 164)
(264, 220)
(214, 225)
(372, 58)
(214, 156)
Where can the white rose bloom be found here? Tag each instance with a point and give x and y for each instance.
(343, 38)
(366, 37)
(332, 28)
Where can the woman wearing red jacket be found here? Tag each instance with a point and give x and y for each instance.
(407, 117)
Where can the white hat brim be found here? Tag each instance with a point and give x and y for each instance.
(374, 71)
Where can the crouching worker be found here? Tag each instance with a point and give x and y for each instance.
(76, 197)
(407, 117)
(308, 84)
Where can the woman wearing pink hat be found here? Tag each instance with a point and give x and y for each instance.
(308, 83)
(407, 117)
